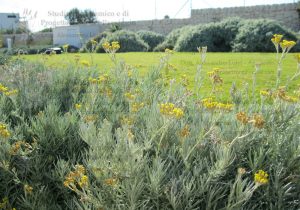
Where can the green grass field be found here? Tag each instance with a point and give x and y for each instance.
(236, 67)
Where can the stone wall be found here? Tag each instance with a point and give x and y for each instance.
(287, 14)
(20, 39)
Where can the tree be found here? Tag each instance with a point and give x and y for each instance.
(75, 16)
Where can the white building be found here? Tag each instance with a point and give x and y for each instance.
(75, 35)
(9, 21)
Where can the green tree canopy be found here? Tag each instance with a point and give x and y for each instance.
(75, 16)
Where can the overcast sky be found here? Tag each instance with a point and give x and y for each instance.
(50, 13)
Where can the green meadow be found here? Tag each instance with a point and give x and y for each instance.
(235, 68)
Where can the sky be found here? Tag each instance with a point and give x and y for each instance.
(50, 13)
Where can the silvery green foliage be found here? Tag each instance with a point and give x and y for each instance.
(151, 164)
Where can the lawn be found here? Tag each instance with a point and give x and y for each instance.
(235, 67)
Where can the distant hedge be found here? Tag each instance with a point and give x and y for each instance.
(151, 38)
(255, 36)
(172, 38)
(129, 41)
(233, 34)
(218, 37)
(88, 45)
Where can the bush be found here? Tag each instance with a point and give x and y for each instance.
(88, 46)
(151, 38)
(217, 37)
(129, 41)
(255, 36)
(171, 39)
(4, 58)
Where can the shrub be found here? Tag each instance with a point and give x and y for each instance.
(129, 41)
(151, 38)
(171, 39)
(88, 46)
(217, 37)
(255, 36)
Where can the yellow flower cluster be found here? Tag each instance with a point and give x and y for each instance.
(257, 119)
(185, 132)
(169, 109)
(111, 181)
(28, 189)
(168, 51)
(5, 90)
(209, 103)
(276, 38)
(76, 178)
(85, 63)
(129, 96)
(287, 44)
(17, 146)
(242, 117)
(214, 76)
(280, 93)
(135, 107)
(3, 131)
(78, 106)
(101, 79)
(111, 48)
(266, 93)
(90, 118)
(261, 177)
(127, 120)
(284, 44)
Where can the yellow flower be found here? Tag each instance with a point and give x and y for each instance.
(110, 181)
(261, 177)
(135, 107)
(265, 93)
(85, 63)
(78, 106)
(185, 132)
(178, 112)
(3, 88)
(93, 80)
(129, 96)
(276, 38)
(90, 118)
(3, 131)
(103, 78)
(10, 93)
(83, 181)
(167, 50)
(258, 121)
(28, 189)
(287, 45)
(169, 109)
(242, 117)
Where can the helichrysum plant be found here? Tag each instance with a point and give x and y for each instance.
(88, 139)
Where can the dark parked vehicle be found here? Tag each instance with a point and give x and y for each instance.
(57, 50)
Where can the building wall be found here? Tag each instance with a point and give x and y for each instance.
(76, 34)
(9, 21)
